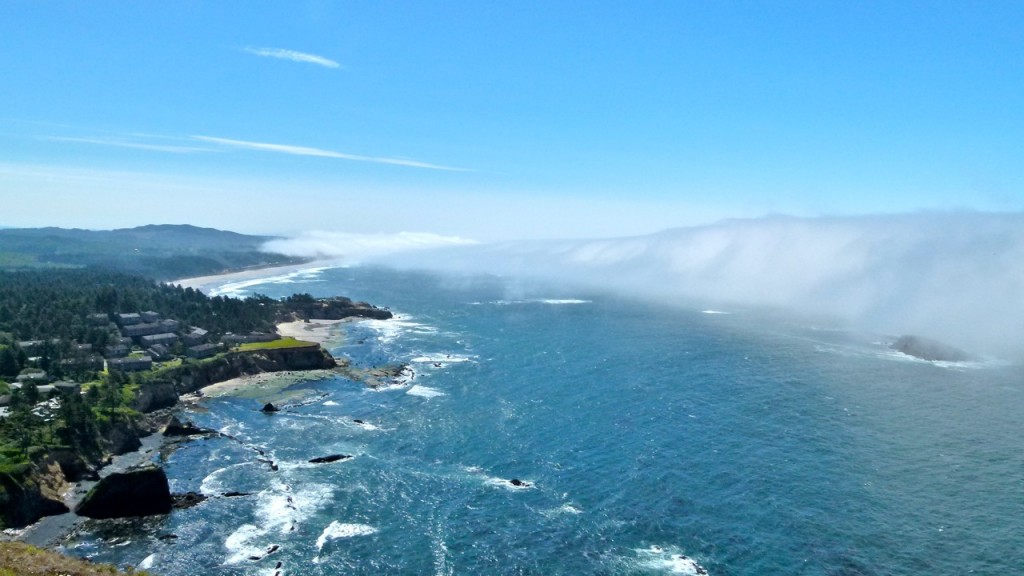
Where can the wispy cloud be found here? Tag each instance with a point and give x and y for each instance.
(308, 151)
(293, 55)
(353, 246)
(122, 143)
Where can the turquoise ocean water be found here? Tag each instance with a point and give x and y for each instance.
(652, 440)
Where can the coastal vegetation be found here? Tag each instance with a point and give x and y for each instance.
(17, 559)
(288, 342)
(80, 369)
(157, 251)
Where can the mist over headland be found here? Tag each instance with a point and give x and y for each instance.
(954, 276)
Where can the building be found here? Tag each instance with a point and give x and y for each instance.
(129, 319)
(203, 351)
(117, 351)
(159, 352)
(195, 336)
(138, 330)
(150, 316)
(130, 364)
(90, 362)
(236, 339)
(165, 338)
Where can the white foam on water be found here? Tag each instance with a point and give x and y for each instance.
(331, 403)
(507, 484)
(549, 301)
(442, 359)
(669, 560)
(239, 544)
(146, 563)
(212, 485)
(279, 509)
(336, 530)
(714, 312)
(240, 288)
(424, 392)
(564, 509)
(390, 330)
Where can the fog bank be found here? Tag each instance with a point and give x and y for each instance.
(958, 277)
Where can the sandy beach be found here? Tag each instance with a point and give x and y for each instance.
(205, 283)
(318, 331)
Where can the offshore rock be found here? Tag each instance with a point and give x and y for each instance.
(187, 500)
(140, 492)
(331, 458)
(269, 407)
(931, 350)
(177, 428)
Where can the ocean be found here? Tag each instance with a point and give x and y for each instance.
(553, 430)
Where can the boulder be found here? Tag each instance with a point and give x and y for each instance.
(177, 428)
(139, 492)
(187, 500)
(269, 407)
(331, 458)
(931, 350)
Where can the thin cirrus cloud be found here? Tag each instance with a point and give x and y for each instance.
(293, 55)
(122, 143)
(308, 151)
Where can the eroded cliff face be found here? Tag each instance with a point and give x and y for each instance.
(237, 364)
(38, 490)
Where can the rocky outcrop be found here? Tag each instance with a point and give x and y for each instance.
(193, 376)
(23, 500)
(931, 350)
(155, 395)
(139, 492)
(329, 459)
(336, 308)
(176, 427)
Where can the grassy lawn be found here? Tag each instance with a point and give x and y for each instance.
(17, 559)
(275, 344)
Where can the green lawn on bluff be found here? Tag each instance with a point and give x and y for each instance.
(288, 342)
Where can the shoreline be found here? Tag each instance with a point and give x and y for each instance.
(313, 330)
(204, 283)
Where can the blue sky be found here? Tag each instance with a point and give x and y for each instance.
(496, 121)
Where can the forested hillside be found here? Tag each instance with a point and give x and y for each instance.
(158, 251)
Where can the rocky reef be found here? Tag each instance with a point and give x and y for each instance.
(931, 350)
(37, 489)
(140, 492)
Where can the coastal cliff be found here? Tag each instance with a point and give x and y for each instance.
(35, 490)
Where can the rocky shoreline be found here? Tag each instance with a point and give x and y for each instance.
(59, 480)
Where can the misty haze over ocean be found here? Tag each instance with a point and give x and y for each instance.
(956, 276)
(651, 439)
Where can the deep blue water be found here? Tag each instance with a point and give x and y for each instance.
(752, 443)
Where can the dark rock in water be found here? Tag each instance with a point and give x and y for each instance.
(331, 458)
(176, 428)
(140, 492)
(358, 421)
(167, 537)
(187, 500)
(932, 350)
(269, 407)
(235, 494)
(519, 483)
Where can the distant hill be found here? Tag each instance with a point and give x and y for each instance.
(163, 251)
